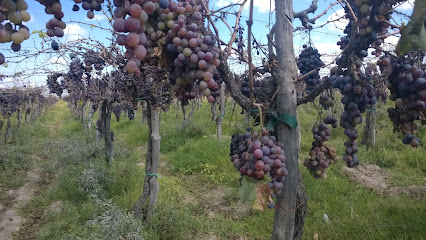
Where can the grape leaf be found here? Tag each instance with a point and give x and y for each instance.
(413, 36)
(248, 190)
(263, 196)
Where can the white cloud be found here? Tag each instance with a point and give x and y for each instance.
(408, 5)
(99, 17)
(74, 32)
(260, 5)
(337, 25)
(58, 60)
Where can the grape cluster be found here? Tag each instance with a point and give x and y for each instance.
(407, 87)
(168, 33)
(92, 60)
(321, 155)
(55, 26)
(245, 87)
(131, 113)
(117, 108)
(309, 59)
(326, 99)
(53, 84)
(14, 30)
(257, 155)
(89, 5)
(372, 21)
(356, 96)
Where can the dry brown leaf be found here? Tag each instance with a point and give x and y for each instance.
(263, 196)
(331, 152)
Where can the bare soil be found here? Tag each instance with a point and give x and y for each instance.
(10, 220)
(377, 179)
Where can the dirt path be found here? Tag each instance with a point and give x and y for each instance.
(10, 220)
(375, 178)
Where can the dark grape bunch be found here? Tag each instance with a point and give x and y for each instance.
(92, 60)
(407, 87)
(130, 113)
(117, 108)
(257, 155)
(357, 95)
(245, 87)
(14, 30)
(55, 26)
(321, 155)
(326, 99)
(309, 59)
(89, 5)
(373, 17)
(53, 84)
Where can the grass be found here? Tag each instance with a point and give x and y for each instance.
(198, 195)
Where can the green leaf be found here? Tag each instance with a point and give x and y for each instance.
(413, 36)
(266, 25)
(248, 190)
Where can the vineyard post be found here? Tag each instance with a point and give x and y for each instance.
(369, 136)
(19, 116)
(284, 221)
(151, 186)
(8, 133)
(106, 111)
(1, 125)
(213, 111)
(222, 106)
(90, 117)
(84, 116)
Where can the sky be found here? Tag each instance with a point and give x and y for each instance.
(324, 39)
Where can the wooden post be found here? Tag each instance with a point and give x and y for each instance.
(222, 106)
(369, 136)
(151, 186)
(8, 133)
(19, 116)
(284, 220)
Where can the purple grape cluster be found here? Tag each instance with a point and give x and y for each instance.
(372, 21)
(92, 60)
(357, 95)
(321, 155)
(257, 155)
(54, 86)
(89, 5)
(407, 87)
(55, 26)
(309, 59)
(168, 33)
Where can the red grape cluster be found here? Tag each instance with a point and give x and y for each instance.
(407, 87)
(15, 12)
(321, 155)
(257, 156)
(167, 33)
